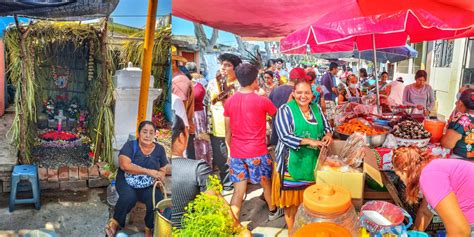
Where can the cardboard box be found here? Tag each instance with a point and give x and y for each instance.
(353, 182)
(385, 162)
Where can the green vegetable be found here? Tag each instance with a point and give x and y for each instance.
(208, 215)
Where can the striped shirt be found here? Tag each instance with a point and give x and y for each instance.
(285, 128)
(190, 178)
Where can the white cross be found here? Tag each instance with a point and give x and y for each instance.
(60, 117)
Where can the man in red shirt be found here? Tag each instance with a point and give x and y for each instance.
(245, 120)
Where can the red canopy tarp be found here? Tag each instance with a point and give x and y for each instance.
(279, 18)
(390, 22)
(251, 18)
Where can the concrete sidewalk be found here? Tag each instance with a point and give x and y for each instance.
(254, 214)
(68, 213)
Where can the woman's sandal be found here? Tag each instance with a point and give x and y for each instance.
(111, 228)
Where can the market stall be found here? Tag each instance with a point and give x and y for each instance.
(367, 135)
(360, 159)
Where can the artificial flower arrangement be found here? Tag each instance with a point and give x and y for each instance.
(53, 138)
(73, 110)
(50, 107)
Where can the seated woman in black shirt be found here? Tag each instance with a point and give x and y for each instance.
(141, 163)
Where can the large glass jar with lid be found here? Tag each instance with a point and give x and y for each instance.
(327, 203)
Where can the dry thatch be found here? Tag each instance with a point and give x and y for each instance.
(133, 52)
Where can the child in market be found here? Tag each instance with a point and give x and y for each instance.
(245, 120)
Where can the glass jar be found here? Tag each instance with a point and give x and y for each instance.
(323, 229)
(327, 203)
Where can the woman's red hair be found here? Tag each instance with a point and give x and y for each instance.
(411, 161)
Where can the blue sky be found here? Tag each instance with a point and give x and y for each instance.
(184, 27)
(133, 12)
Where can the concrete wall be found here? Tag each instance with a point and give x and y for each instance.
(446, 81)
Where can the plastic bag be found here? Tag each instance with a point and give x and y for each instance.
(334, 163)
(352, 153)
(390, 142)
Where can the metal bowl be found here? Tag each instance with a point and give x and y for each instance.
(410, 142)
(377, 140)
(404, 109)
(373, 141)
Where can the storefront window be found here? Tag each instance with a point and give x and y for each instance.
(402, 66)
(418, 60)
(468, 71)
(443, 53)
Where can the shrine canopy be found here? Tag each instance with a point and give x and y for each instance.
(280, 18)
(64, 10)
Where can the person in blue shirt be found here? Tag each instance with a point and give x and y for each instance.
(330, 91)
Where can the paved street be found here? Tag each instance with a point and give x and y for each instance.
(68, 213)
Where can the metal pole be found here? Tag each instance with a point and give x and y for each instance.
(375, 72)
(147, 58)
(360, 63)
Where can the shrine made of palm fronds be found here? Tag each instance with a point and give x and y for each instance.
(133, 52)
(47, 60)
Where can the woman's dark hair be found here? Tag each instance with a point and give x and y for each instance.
(362, 72)
(467, 98)
(301, 81)
(421, 73)
(270, 62)
(144, 123)
(269, 73)
(279, 60)
(312, 75)
(232, 58)
(177, 128)
(332, 66)
(348, 79)
(246, 74)
(381, 74)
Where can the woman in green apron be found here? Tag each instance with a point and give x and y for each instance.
(302, 129)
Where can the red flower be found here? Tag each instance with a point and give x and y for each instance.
(91, 154)
(54, 136)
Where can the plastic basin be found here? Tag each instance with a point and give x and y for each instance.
(436, 128)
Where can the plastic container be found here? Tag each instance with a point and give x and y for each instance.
(436, 128)
(391, 220)
(323, 229)
(112, 195)
(381, 122)
(413, 233)
(327, 203)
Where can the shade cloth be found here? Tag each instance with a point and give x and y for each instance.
(279, 18)
(383, 55)
(389, 23)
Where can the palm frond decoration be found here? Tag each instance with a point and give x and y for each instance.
(133, 52)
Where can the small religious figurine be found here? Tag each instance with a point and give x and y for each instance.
(60, 117)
